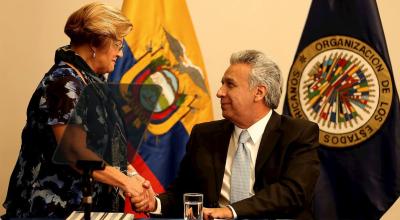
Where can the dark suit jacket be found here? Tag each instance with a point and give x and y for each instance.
(287, 168)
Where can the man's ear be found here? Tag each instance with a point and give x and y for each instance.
(261, 92)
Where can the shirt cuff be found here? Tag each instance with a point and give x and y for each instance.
(233, 211)
(158, 209)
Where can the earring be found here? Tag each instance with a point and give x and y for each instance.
(94, 55)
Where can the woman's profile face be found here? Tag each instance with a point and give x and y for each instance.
(107, 56)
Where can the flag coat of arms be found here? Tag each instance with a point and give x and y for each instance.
(341, 78)
(162, 49)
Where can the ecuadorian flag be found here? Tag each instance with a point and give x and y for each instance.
(162, 49)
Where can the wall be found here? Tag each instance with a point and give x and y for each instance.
(32, 30)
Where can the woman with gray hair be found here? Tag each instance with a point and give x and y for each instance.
(39, 187)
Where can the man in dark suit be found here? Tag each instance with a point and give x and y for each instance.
(281, 165)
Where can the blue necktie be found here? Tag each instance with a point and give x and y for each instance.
(240, 179)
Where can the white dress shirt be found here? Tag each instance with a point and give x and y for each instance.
(256, 131)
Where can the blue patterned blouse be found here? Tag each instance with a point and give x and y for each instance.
(40, 188)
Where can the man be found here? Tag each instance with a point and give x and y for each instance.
(269, 174)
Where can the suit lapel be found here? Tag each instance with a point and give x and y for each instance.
(221, 140)
(269, 139)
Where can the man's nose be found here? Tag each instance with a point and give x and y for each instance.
(220, 92)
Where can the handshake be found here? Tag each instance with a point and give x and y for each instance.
(142, 195)
(143, 199)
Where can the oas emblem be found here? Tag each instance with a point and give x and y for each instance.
(342, 84)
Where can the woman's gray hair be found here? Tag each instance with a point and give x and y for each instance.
(264, 71)
(95, 23)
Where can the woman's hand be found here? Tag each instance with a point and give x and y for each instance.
(133, 187)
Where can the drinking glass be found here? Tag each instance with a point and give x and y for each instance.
(193, 206)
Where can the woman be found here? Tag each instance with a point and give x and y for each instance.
(38, 187)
